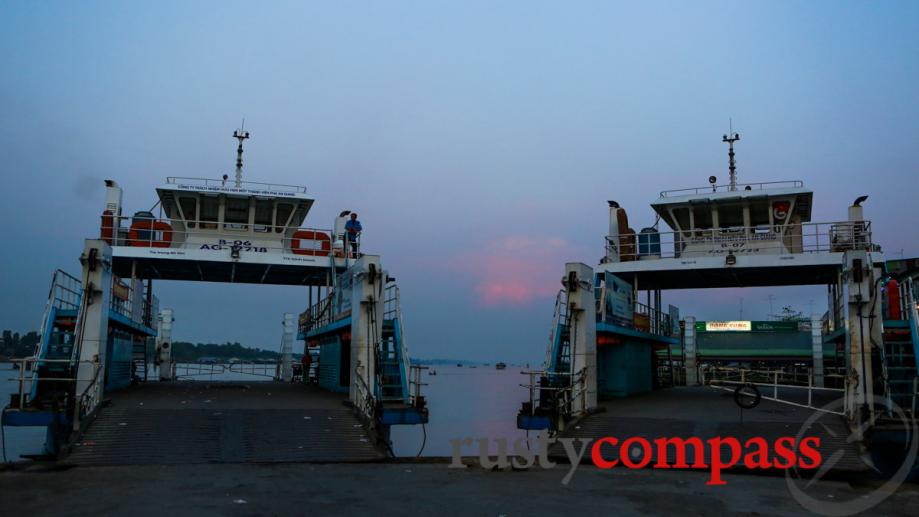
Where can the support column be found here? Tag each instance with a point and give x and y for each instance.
(92, 326)
(138, 300)
(689, 350)
(817, 349)
(365, 281)
(164, 345)
(864, 321)
(579, 281)
(287, 346)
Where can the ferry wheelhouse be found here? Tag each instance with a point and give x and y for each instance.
(209, 230)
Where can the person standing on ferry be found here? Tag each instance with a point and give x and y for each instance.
(353, 230)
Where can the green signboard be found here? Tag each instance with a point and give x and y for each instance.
(753, 326)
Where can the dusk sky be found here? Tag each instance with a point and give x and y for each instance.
(478, 141)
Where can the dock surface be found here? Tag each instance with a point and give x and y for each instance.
(429, 489)
(195, 422)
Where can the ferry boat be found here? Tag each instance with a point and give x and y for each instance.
(729, 235)
(96, 327)
(500, 366)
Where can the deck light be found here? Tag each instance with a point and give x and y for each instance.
(730, 259)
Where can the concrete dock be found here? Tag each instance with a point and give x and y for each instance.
(420, 489)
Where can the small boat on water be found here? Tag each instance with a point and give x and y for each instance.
(432, 372)
(500, 366)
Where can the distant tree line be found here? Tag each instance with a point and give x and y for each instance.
(189, 352)
(16, 345)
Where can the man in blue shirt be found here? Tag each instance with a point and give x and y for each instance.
(352, 232)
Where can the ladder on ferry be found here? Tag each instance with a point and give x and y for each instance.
(901, 348)
(56, 350)
(139, 360)
(392, 361)
(558, 360)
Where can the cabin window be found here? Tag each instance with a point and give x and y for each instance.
(210, 209)
(702, 217)
(236, 214)
(189, 206)
(284, 210)
(264, 209)
(759, 214)
(681, 217)
(730, 216)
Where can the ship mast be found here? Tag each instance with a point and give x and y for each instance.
(732, 166)
(240, 135)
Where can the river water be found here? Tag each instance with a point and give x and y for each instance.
(463, 402)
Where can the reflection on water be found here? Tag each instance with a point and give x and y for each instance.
(475, 402)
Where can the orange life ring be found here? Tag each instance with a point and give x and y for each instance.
(325, 243)
(150, 225)
(108, 226)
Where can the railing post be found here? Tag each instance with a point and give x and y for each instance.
(915, 393)
(532, 388)
(810, 384)
(775, 384)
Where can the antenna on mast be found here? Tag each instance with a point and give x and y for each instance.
(240, 135)
(730, 138)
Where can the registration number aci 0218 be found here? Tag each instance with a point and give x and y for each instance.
(224, 244)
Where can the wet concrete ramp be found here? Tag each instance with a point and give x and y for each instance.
(209, 422)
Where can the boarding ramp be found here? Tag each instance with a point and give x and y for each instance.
(707, 413)
(187, 422)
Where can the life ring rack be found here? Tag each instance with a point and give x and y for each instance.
(324, 239)
(152, 226)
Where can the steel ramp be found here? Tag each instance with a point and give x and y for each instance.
(220, 422)
(706, 413)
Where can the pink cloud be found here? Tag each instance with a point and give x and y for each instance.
(515, 270)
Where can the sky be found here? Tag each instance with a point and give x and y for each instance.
(478, 141)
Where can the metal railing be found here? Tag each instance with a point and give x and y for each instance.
(775, 380)
(391, 302)
(32, 364)
(742, 240)
(230, 185)
(559, 317)
(259, 370)
(66, 291)
(727, 188)
(317, 315)
(122, 302)
(651, 320)
(563, 396)
(365, 399)
(187, 370)
(415, 384)
(215, 235)
(392, 310)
